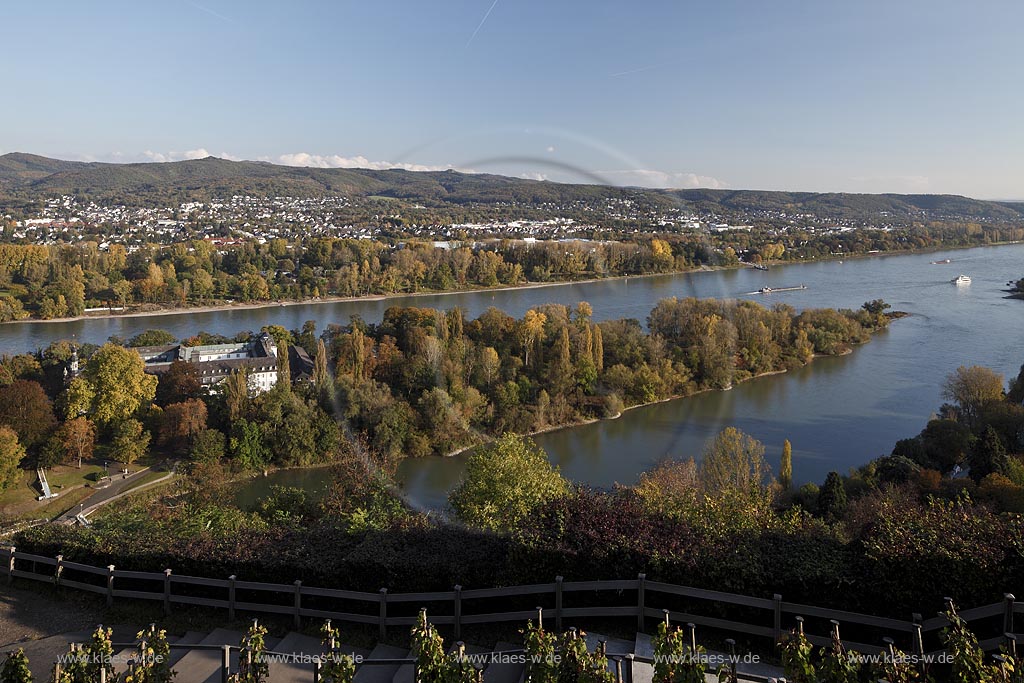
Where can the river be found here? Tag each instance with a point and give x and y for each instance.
(838, 412)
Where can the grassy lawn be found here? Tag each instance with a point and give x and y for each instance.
(64, 476)
(60, 504)
(20, 499)
(141, 480)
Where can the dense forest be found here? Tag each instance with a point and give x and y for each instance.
(421, 382)
(59, 281)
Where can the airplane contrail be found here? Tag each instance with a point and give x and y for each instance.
(481, 24)
(209, 11)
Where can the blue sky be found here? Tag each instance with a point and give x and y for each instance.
(859, 96)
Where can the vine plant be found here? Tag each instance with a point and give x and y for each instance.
(541, 658)
(15, 668)
(252, 663)
(677, 657)
(337, 667)
(152, 660)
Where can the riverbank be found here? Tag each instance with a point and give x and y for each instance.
(156, 310)
(594, 420)
(256, 305)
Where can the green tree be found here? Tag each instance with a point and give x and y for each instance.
(247, 446)
(504, 481)
(11, 455)
(321, 379)
(786, 465)
(988, 456)
(208, 446)
(131, 442)
(119, 383)
(152, 338)
(832, 497)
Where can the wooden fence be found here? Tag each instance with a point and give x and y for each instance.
(387, 610)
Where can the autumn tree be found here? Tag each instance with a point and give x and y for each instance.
(11, 455)
(972, 389)
(119, 383)
(670, 488)
(181, 422)
(25, 408)
(180, 382)
(531, 330)
(733, 461)
(78, 436)
(504, 482)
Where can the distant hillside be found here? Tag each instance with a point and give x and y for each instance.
(849, 205)
(27, 178)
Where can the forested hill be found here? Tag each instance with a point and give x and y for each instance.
(29, 178)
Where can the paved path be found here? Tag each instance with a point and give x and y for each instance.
(118, 486)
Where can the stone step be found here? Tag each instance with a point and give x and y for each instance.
(42, 653)
(644, 673)
(504, 672)
(190, 638)
(197, 666)
(642, 647)
(295, 672)
(381, 673)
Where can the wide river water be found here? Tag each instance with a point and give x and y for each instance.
(838, 412)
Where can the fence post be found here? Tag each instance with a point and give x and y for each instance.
(110, 585)
(10, 568)
(58, 569)
(777, 599)
(167, 591)
(298, 604)
(918, 645)
(458, 612)
(316, 670)
(231, 597)
(1008, 613)
(383, 613)
(641, 580)
(225, 664)
(558, 604)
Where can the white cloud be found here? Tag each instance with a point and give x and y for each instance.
(534, 176)
(662, 179)
(337, 161)
(163, 157)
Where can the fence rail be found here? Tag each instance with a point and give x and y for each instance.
(651, 596)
